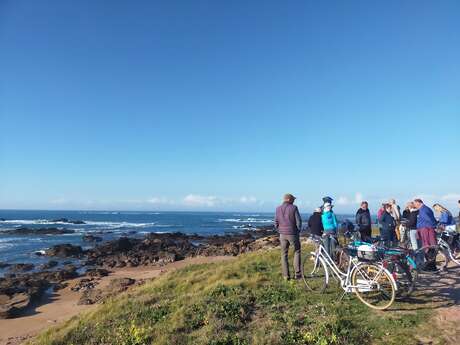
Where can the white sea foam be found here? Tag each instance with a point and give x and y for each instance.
(245, 220)
(26, 221)
(119, 224)
(105, 224)
(6, 245)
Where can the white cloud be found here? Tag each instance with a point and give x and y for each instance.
(359, 198)
(160, 201)
(200, 200)
(342, 200)
(451, 197)
(248, 200)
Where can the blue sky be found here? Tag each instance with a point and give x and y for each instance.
(226, 105)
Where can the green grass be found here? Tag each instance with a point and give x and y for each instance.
(237, 302)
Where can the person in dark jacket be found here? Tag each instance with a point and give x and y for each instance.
(406, 212)
(315, 223)
(411, 226)
(388, 223)
(289, 223)
(363, 221)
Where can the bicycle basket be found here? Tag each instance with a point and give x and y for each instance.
(365, 252)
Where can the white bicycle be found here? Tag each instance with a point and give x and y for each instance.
(372, 283)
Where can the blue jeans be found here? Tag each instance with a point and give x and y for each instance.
(329, 243)
(415, 243)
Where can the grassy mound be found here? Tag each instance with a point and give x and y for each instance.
(243, 301)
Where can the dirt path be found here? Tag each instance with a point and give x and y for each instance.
(62, 305)
(441, 293)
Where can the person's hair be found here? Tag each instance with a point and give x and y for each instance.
(364, 203)
(443, 209)
(418, 200)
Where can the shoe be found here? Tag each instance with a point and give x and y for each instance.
(298, 278)
(286, 278)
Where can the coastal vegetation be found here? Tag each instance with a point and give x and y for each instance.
(239, 302)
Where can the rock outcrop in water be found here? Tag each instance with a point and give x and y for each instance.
(64, 251)
(91, 238)
(65, 220)
(21, 268)
(24, 231)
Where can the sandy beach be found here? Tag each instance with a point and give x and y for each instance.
(62, 305)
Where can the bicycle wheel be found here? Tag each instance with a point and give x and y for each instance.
(405, 278)
(441, 259)
(314, 273)
(373, 286)
(454, 256)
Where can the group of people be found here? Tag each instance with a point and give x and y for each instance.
(417, 221)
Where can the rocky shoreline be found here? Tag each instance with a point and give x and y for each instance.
(20, 288)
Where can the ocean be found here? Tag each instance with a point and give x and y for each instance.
(109, 225)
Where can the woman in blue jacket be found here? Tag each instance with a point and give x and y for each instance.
(330, 229)
(446, 220)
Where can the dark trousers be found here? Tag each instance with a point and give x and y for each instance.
(388, 237)
(366, 233)
(286, 241)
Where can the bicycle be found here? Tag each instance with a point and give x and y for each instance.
(397, 260)
(372, 283)
(449, 243)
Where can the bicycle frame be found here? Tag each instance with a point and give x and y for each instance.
(366, 284)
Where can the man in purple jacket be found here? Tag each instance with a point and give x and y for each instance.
(426, 223)
(289, 223)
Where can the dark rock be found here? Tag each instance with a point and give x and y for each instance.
(65, 220)
(84, 285)
(18, 293)
(4, 265)
(49, 264)
(116, 286)
(97, 272)
(120, 284)
(16, 268)
(67, 272)
(12, 305)
(91, 238)
(41, 231)
(64, 250)
(2, 219)
(60, 286)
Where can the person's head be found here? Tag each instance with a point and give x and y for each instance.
(410, 205)
(289, 198)
(439, 208)
(387, 207)
(327, 199)
(459, 203)
(318, 210)
(327, 207)
(364, 205)
(418, 203)
(392, 202)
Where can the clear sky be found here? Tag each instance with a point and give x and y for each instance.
(226, 105)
